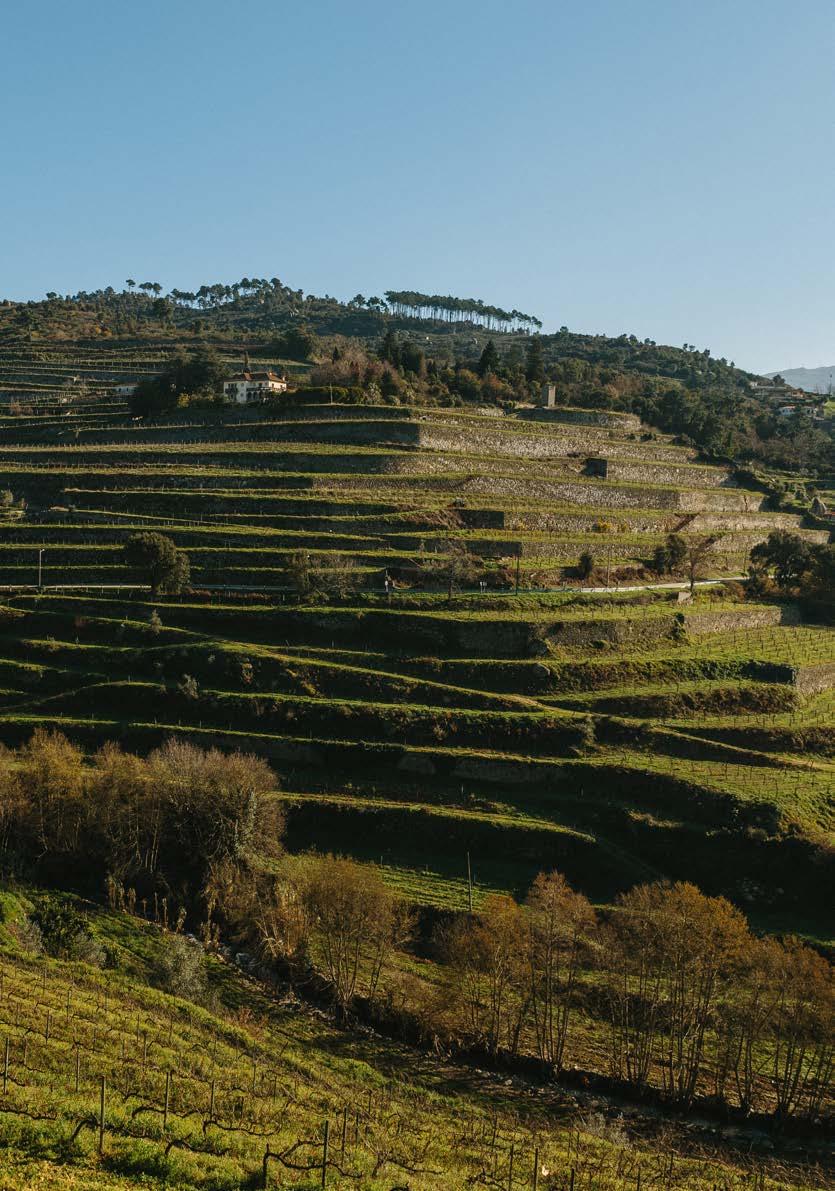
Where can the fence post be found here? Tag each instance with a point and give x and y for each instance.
(325, 1153)
(102, 1103)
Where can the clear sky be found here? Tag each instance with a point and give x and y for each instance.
(659, 167)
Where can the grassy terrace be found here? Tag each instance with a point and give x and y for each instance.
(614, 738)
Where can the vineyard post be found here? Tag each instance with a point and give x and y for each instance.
(77, 1066)
(167, 1099)
(535, 1181)
(212, 1102)
(102, 1103)
(344, 1129)
(266, 1163)
(510, 1169)
(325, 1153)
(6, 1067)
(571, 1180)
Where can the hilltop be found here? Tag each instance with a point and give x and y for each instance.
(124, 334)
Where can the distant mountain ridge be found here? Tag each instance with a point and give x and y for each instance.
(813, 380)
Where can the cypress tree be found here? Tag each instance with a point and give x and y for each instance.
(534, 366)
(489, 361)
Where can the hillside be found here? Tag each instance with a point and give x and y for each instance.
(210, 1082)
(476, 640)
(86, 342)
(516, 718)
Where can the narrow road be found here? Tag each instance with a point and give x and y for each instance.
(675, 586)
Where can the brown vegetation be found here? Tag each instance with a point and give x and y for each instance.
(681, 996)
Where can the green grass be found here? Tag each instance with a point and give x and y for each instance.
(455, 708)
(275, 1073)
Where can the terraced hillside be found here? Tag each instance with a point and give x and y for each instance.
(412, 720)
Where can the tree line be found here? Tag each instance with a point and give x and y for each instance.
(407, 303)
(450, 309)
(683, 997)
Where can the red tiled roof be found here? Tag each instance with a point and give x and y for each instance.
(255, 376)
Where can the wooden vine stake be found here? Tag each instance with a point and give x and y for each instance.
(102, 1105)
(325, 1140)
(167, 1101)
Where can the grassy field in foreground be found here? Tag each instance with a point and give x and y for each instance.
(196, 1093)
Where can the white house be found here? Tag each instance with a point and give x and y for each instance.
(245, 387)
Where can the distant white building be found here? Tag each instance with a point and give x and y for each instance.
(246, 387)
(125, 390)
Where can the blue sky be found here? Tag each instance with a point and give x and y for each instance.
(658, 167)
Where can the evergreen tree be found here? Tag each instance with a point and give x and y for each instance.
(534, 366)
(489, 361)
(412, 359)
(390, 349)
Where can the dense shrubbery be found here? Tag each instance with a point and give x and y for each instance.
(199, 376)
(169, 822)
(798, 566)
